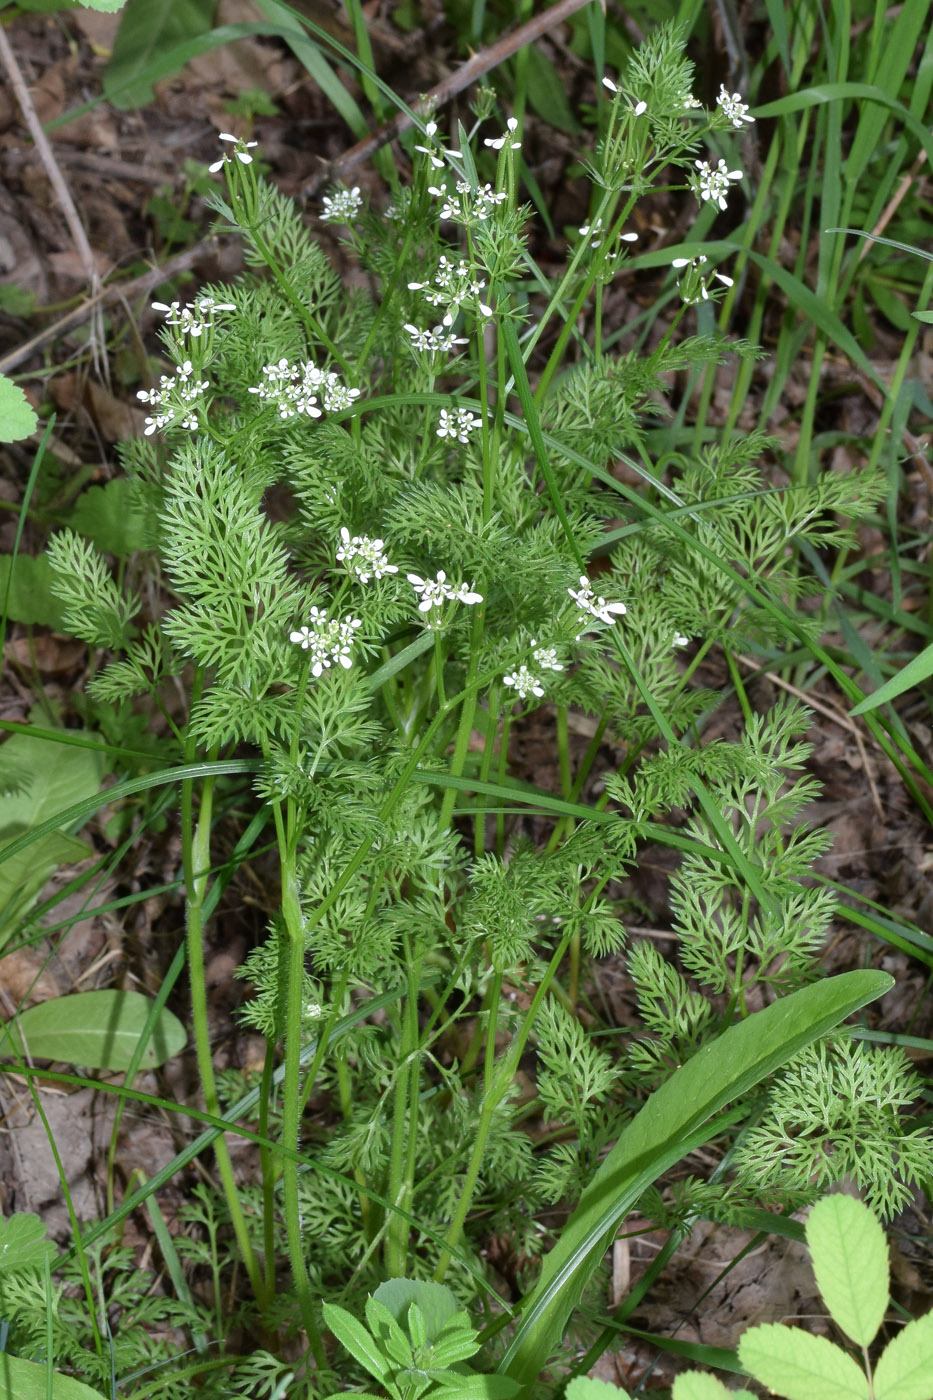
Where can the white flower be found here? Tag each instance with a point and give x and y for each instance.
(337, 396)
(688, 100)
(453, 285)
(691, 285)
(372, 563)
(341, 206)
(590, 605)
(680, 640)
(546, 657)
(458, 424)
(608, 83)
(327, 640)
(711, 184)
(524, 682)
(242, 151)
(734, 108)
(496, 143)
(434, 592)
(437, 340)
(195, 316)
(595, 229)
(294, 389)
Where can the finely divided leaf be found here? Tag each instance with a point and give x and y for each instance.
(850, 1261)
(799, 1366)
(905, 1370)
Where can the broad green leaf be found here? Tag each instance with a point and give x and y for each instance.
(23, 1244)
(352, 1335)
(100, 1030)
(26, 1380)
(38, 780)
(850, 1261)
(146, 32)
(17, 419)
(26, 586)
(914, 673)
(799, 1366)
(905, 1368)
(438, 1305)
(588, 1388)
(470, 1385)
(109, 7)
(110, 516)
(700, 1385)
(925, 316)
(547, 91)
(673, 1121)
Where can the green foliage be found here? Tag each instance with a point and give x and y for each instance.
(100, 1030)
(17, 419)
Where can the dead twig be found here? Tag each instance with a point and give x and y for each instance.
(480, 64)
(118, 291)
(62, 194)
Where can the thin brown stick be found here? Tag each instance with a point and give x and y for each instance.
(480, 64)
(118, 291)
(62, 192)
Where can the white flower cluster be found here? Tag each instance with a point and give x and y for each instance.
(496, 143)
(692, 284)
(436, 341)
(435, 153)
(589, 605)
(176, 394)
(341, 206)
(328, 640)
(459, 424)
(294, 389)
(733, 106)
(470, 205)
(524, 683)
(710, 184)
(594, 232)
(363, 556)
(195, 317)
(242, 152)
(435, 592)
(452, 285)
(546, 657)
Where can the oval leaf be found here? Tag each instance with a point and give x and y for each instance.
(435, 1300)
(799, 1366)
(669, 1125)
(99, 1030)
(850, 1260)
(905, 1369)
(701, 1385)
(25, 1380)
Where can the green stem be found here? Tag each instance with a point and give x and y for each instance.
(196, 863)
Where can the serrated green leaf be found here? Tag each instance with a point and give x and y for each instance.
(100, 1030)
(438, 1305)
(905, 1367)
(589, 1388)
(145, 32)
(701, 1385)
(26, 586)
(850, 1261)
(416, 1328)
(26, 1380)
(109, 7)
(110, 516)
(670, 1124)
(17, 419)
(354, 1337)
(799, 1366)
(23, 1244)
